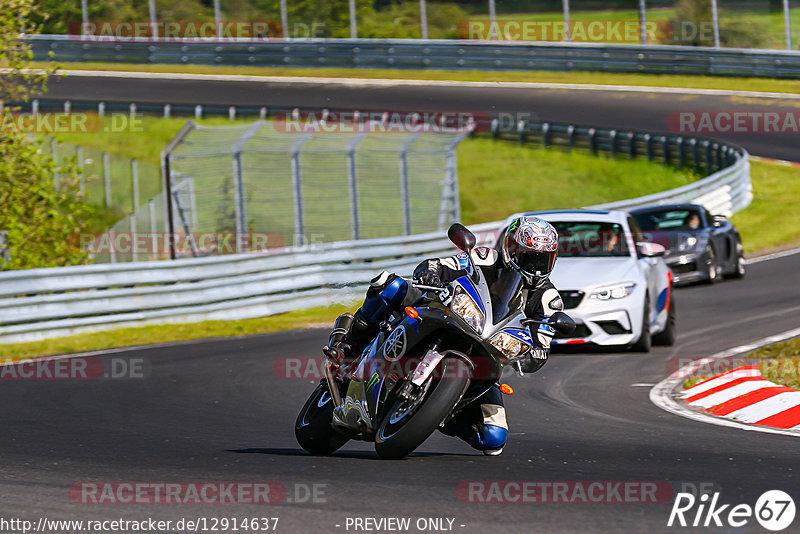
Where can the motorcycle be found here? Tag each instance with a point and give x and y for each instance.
(425, 364)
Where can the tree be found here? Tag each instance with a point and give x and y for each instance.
(43, 224)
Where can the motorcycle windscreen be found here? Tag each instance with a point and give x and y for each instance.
(506, 294)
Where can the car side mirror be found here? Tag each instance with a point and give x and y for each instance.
(650, 250)
(562, 323)
(462, 237)
(718, 220)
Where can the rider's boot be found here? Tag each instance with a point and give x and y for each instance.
(349, 336)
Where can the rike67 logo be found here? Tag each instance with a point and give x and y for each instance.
(774, 510)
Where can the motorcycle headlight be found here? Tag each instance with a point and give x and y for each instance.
(467, 309)
(508, 344)
(618, 291)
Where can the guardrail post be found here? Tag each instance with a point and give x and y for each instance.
(570, 137)
(523, 135)
(546, 134)
(35, 106)
(167, 111)
(232, 113)
(107, 179)
(495, 127)
(593, 140)
(696, 153)
(718, 150)
(631, 145)
(101, 109)
(198, 112)
(709, 160)
(612, 137)
(665, 148)
(682, 151)
(648, 141)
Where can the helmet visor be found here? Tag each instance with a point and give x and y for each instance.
(535, 262)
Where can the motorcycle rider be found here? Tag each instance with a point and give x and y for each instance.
(529, 246)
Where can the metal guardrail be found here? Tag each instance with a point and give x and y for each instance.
(429, 54)
(41, 303)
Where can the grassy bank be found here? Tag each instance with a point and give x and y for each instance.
(576, 77)
(781, 363)
(149, 335)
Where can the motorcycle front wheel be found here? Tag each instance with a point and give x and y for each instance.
(409, 422)
(313, 428)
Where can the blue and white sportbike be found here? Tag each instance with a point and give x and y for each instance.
(425, 365)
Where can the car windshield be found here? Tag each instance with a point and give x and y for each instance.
(591, 239)
(669, 220)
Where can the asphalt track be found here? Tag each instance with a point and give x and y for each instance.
(218, 411)
(618, 109)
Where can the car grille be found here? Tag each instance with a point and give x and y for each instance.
(683, 268)
(571, 298)
(581, 330)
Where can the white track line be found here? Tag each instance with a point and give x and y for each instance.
(661, 394)
(388, 82)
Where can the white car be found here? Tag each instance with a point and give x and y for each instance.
(616, 287)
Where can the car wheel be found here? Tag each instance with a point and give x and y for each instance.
(643, 343)
(740, 269)
(712, 269)
(667, 336)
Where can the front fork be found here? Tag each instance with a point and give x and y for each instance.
(332, 386)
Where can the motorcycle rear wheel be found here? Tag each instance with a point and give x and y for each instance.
(313, 428)
(404, 429)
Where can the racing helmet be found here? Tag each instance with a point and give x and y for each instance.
(530, 247)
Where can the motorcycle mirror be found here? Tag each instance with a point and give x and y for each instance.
(562, 323)
(461, 237)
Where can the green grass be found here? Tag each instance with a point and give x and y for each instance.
(148, 335)
(771, 221)
(499, 178)
(781, 363)
(579, 77)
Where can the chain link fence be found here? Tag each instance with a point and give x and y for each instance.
(272, 184)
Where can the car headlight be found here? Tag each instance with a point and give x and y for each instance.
(688, 243)
(467, 309)
(618, 291)
(508, 344)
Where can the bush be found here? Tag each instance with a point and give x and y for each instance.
(693, 26)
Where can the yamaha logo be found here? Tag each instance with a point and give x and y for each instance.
(395, 345)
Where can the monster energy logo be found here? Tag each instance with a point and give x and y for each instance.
(373, 380)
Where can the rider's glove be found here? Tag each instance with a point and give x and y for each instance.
(429, 278)
(534, 360)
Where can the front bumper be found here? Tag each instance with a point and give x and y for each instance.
(604, 322)
(687, 268)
